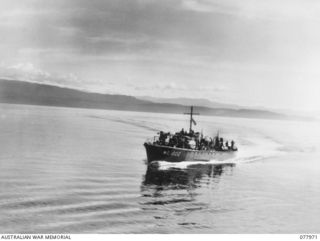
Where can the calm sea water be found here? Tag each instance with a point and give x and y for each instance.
(66, 170)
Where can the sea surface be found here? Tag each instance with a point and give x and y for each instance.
(65, 170)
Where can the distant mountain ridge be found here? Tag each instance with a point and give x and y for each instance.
(20, 92)
(190, 101)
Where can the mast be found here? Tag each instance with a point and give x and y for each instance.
(192, 121)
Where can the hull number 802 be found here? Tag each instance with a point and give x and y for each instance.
(176, 153)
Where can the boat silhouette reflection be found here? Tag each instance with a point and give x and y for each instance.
(183, 178)
(179, 187)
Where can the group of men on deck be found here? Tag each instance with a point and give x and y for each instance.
(193, 140)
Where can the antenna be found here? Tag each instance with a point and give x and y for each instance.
(192, 121)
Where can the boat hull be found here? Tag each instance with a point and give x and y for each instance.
(172, 154)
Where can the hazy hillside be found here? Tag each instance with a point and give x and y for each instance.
(19, 92)
(190, 101)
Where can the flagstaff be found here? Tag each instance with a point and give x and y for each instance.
(191, 118)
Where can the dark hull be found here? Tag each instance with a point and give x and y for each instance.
(172, 154)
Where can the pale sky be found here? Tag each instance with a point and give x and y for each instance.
(246, 52)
